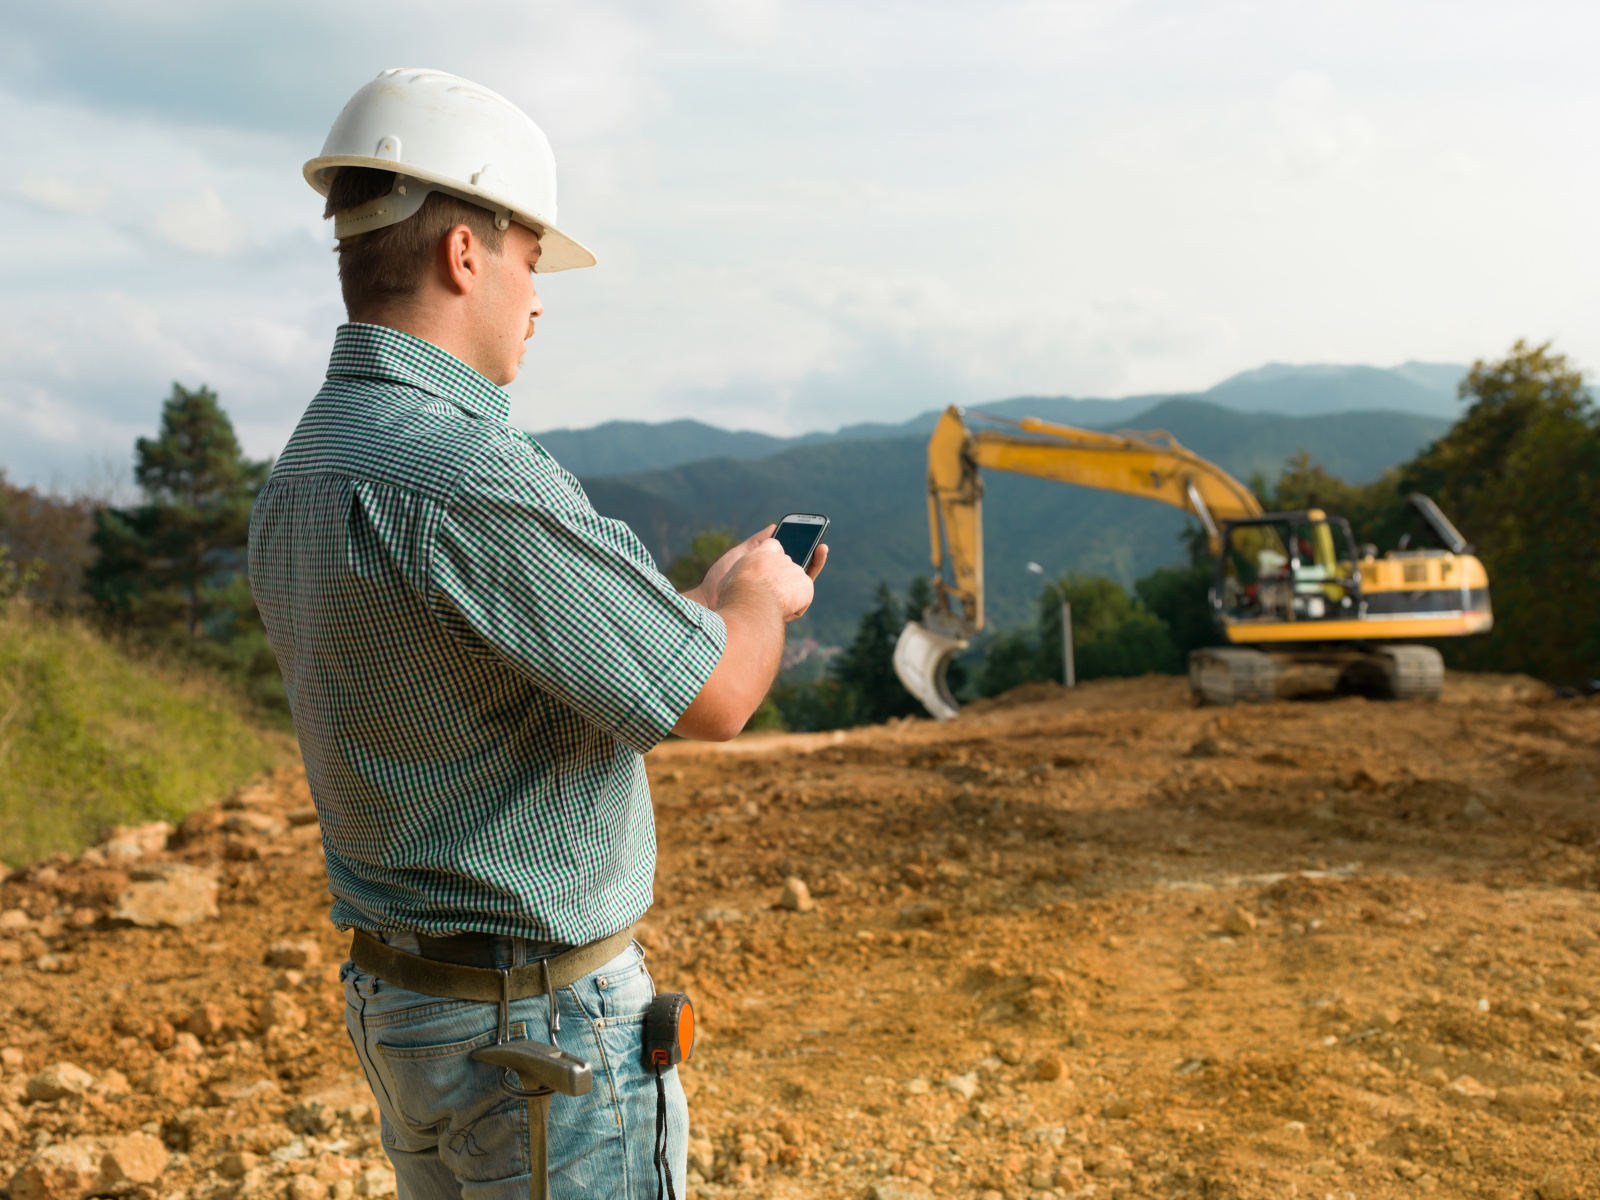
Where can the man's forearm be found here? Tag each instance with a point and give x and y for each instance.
(754, 619)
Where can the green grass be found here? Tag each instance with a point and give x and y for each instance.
(91, 737)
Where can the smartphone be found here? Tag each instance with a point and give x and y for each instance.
(800, 534)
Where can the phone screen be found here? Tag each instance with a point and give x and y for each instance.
(799, 534)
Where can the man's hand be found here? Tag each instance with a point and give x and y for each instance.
(706, 592)
(758, 592)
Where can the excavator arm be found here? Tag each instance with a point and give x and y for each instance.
(1152, 465)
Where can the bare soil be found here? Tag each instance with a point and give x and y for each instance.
(1093, 943)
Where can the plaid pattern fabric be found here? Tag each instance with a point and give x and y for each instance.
(474, 658)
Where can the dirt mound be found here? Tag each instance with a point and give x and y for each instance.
(1096, 942)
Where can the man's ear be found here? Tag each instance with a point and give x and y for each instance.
(461, 258)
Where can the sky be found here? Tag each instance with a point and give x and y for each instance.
(808, 213)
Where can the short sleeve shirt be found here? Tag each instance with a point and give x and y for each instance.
(475, 660)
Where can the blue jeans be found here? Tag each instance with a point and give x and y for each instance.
(451, 1132)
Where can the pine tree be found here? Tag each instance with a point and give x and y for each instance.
(175, 559)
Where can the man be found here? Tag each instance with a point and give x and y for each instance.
(476, 661)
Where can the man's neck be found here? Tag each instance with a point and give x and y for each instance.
(438, 329)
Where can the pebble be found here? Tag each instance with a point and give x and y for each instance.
(205, 1021)
(297, 956)
(62, 1171)
(134, 1158)
(1558, 1185)
(174, 895)
(965, 1086)
(375, 1181)
(238, 1164)
(305, 1187)
(917, 1087)
(797, 896)
(280, 1012)
(1239, 922)
(1050, 1067)
(58, 1080)
(1531, 1096)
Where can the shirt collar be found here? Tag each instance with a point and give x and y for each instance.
(363, 351)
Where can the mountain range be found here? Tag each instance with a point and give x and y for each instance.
(1420, 389)
(870, 479)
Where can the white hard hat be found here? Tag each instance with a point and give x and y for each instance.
(442, 133)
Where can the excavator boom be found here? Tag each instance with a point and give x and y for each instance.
(1152, 465)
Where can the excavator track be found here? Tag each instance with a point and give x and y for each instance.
(1398, 673)
(1225, 675)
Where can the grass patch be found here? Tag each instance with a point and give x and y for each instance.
(91, 737)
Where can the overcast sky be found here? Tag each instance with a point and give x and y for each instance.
(811, 213)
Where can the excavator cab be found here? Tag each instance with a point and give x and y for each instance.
(1295, 566)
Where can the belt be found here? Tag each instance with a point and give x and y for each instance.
(453, 981)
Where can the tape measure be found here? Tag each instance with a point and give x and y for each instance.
(669, 1030)
(668, 1041)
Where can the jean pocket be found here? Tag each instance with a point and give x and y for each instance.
(624, 991)
(439, 1088)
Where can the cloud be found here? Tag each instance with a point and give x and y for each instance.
(810, 214)
(62, 195)
(200, 223)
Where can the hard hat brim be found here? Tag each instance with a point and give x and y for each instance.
(558, 251)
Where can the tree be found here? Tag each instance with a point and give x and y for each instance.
(866, 668)
(172, 558)
(1519, 474)
(689, 568)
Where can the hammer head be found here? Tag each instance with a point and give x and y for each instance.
(540, 1066)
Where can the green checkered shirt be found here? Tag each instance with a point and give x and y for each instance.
(475, 659)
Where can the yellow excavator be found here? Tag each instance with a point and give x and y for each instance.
(1289, 587)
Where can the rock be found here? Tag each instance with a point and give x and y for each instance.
(1324, 1167)
(1435, 1077)
(1555, 1185)
(135, 1158)
(64, 1171)
(959, 846)
(1079, 1040)
(130, 842)
(12, 1059)
(928, 913)
(1465, 1087)
(375, 1181)
(237, 1164)
(162, 1034)
(917, 1087)
(298, 956)
(235, 1091)
(175, 895)
(1049, 1067)
(1009, 1053)
(896, 1190)
(1119, 1108)
(14, 921)
(305, 1187)
(205, 1021)
(1407, 1169)
(280, 1012)
(702, 1156)
(58, 1080)
(796, 895)
(248, 822)
(965, 1086)
(186, 1048)
(302, 816)
(1533, 1097)
(113, 1085)
(1239, 922)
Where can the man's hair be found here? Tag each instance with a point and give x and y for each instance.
(389, 263)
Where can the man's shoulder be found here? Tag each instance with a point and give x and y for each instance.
(390, 434)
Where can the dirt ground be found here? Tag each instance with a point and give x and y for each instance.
(1100, 943)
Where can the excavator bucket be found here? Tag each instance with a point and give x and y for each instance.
(921, 658)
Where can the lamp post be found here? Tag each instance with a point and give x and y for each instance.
(1069, 674)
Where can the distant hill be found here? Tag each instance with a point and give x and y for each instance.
(874, 491)
(1426, 389)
